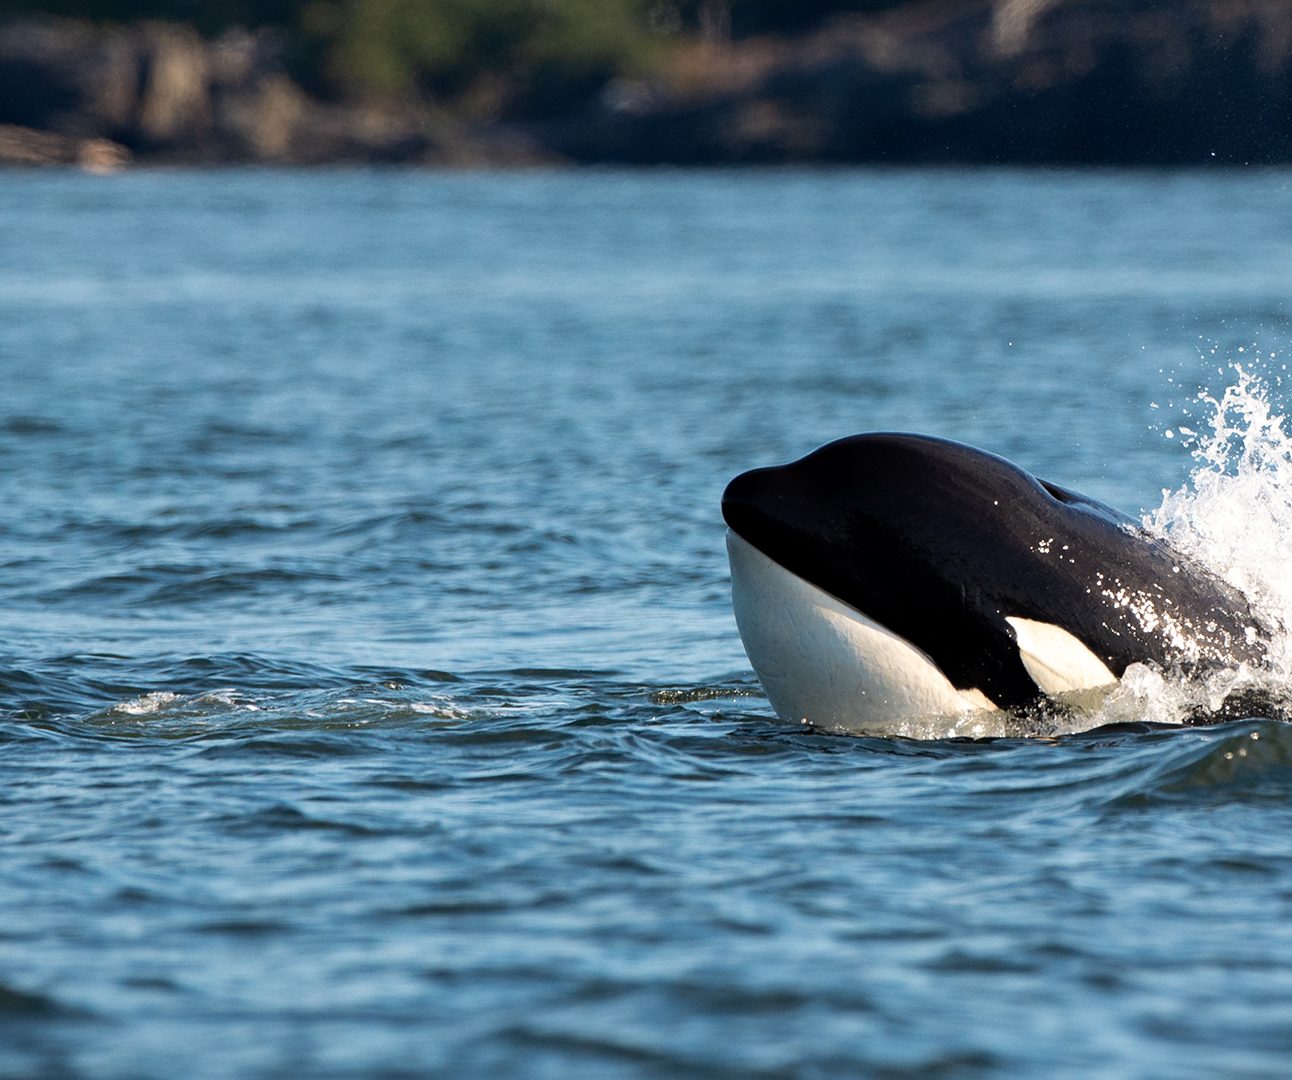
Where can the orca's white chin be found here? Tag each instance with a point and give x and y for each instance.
(825, 663)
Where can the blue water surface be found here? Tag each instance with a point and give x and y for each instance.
(370, 701)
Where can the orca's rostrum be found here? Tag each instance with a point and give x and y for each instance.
(889, 576)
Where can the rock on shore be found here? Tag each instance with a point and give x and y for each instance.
(26, 146)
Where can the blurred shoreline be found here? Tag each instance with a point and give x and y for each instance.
(992, 82)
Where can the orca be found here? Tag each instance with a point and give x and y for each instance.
(888, 576)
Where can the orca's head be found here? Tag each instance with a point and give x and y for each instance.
(891, 574)
(906, 528)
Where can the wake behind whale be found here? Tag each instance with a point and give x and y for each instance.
(898, 583)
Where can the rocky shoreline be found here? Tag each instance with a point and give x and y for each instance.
(1086, 82)
(164, 95)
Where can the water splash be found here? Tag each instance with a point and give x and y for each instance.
(1235, 511)
(1233, 516)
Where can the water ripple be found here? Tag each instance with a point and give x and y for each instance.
(370, 698)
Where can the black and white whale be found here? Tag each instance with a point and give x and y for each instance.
(889, 576)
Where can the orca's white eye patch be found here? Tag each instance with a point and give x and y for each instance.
(1056, 661)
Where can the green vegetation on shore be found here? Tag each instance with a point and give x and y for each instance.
(536, 54)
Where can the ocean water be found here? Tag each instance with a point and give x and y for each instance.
(370, 700)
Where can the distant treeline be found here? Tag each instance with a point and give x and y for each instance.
(448, 48)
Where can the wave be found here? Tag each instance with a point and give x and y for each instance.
(26, 1005)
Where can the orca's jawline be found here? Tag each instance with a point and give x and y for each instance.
(822, 661)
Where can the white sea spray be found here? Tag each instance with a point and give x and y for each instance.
(1232, 516)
